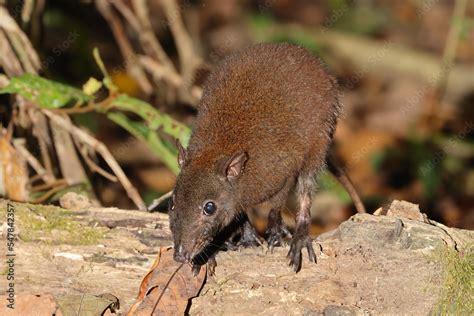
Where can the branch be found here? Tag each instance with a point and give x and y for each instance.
(92, 165)
(126, 49)
(19, 145)
(189, 60)
(40, 131)
(159, 200)
(157, 63)
(432, 116)
(19, 41)
(103, 151)
(159, 72)
(149, 41)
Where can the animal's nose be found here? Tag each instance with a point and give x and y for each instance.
(180, 254)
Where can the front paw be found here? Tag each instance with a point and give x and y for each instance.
(211, 267)
(249, 237)
(296, 246)
(277, 236)
(245, 237)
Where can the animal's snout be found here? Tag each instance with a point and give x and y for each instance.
(180, 254)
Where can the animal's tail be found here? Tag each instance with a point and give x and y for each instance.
(346, 182)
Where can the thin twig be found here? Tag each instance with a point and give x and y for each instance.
(159, 64)
(451, 43)
(32, 161)
(160, 72)
(76, 110)
(33, 179)
(92, 165)
(143, 28)
(166, 286)
(150, 43)
(40, 131)
(104, 152)
(127, 14)
(8, 60)
(27, 11)
(80, 304)
(189, 60)
(48, 194)
(69, 163)
(42, 187)
(22, 42)
(159, 200)
(433, 117)
(125, 47)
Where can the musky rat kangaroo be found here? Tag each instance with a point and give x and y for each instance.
(264, 125)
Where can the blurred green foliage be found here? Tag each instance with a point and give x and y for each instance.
(262, 22)
(432, 159)
(362, 19)
(47, 94)
(409, 160)
(157, 130)
(466, 24)
(327, 182)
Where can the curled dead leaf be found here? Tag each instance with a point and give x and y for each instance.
(168, 287)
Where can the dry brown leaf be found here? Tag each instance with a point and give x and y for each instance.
(13, 171)
(77, 304)
(87, 304)
(167, 288)
(29, 304)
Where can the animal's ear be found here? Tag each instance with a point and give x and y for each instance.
(234, 166)
(181, 153)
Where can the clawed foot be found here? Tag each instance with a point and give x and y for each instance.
(249, 237)
(245, 237)
(196, 269)
(276, 236)
(298, 242)
(211, 267)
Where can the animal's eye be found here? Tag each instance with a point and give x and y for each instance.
(209, 208)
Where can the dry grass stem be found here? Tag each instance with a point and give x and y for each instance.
(159, 200)
(125, 46)
(19, 145)
(103, 151)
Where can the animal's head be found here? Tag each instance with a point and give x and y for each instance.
(205, 200)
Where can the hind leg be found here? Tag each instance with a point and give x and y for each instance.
(301, 238)
(277, 232)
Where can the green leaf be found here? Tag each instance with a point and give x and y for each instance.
(428, 173)
(154, 118)
(150, 137)
(48, 94)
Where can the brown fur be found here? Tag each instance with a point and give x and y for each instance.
(277, 105)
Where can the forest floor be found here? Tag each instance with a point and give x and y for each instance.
(393, 263)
